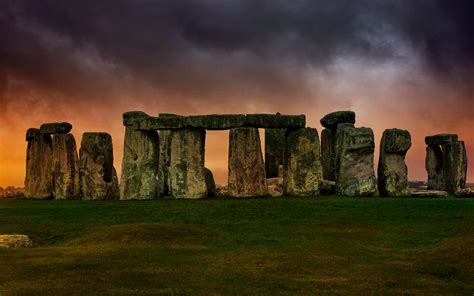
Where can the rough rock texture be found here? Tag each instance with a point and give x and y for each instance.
(187, 174)
(39, 160)
(455, 166)
(274, 150)
(65, 167)
(140, 164)
(221, 191)
(15, 241)
(466, 192)
(246, 167)
(328, 154)
(331, 120)
(440, 139)
(392, 170)
(210, 183)
(355, 161)
(303, 170)
(164, 162)
(434, 168)
(275, 186)
(98, 178)
(130, 117)
(429, 193)
(32, 133)
(327, 187)
(56, 128)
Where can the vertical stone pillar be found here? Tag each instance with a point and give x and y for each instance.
(187, 174)
(140, 164)
(164, 162)
(455, 166)
(65, 167)
(247, 176)
(392, 170)
(96, 167)
(303, 170)
(38, 180)
(434, 167)
(355, 174)
(274, 150)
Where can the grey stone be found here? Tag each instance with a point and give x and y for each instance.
(434, 168)
(466, 192)
(455, 166)
(39, 160)
(187, 174)
(65, 167)
(210, 183)
(274, 150)
(32, 133)
(98, 178)
(140, 165)
(392, 170)
(15, 241)
(56, 128)
(215, 121)
(164, 162)
(355, 161)
(440, 139)
(429, 193)
(331, 120)
(247, 176)
(275, 186)
(303, 170)
(130, 117)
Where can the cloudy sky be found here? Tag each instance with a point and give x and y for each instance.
(397, 63)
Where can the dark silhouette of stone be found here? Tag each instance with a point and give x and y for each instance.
(355, 161)
(164, 162)
(434, 168)
(246, 166)
(187, 174)
(392, 170)
(56, 128)
(303, 170)
(328, 154)
(98, 178)
(440, 139)
(274, 150)
(210, 183)
(65, 167)
(39, 159)
(455, 166)
(332, 120)
(130, 117)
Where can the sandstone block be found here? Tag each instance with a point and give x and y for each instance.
(210, 183)
(455, 166)
(130, 117)
(65, 167)
(434, 168)
(440, 139)
(39, 160)
(328, 154)
(56, 128)
(331, 120)
(164, 186)
(274, 150)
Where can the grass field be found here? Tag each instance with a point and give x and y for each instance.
(269, 246)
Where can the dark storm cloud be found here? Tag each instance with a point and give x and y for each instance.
(197, 46)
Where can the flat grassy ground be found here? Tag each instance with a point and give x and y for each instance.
(324, 245)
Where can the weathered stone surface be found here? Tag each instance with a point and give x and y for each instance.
(98, 178)
(221, 121)
(440, 139)
(466, 192)
(164, 186)
(429, 193)
(274, 150)
(187, 174)
(15, 241)
(65, 167)
(355, 161)
(32, 133)
(392, 170)
(210, 183)
(328, 154)
(303, 170)
(455, 166)
(246, 166)
(140, 165)
(434, 168)
(275, 186)
(39, 159)
(56, 128)
(129, 118)
(331, 120)
(327, 187)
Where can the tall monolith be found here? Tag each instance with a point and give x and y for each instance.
(39, 156)
(274, 150)
(65, 167)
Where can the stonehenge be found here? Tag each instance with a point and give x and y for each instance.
(392, 170)
(446, 163)
(164, 157)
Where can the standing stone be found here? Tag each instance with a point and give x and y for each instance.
(455, 166)
(392, 170)
(139, 179)
(434, 168)
(355, 161)
(187, 174)
(274, 150)
(164, 186)
(247, 176)
(328, 154)
(303, 170)
(39, 157)
(96, 170)
(210, 183)
(65, 167)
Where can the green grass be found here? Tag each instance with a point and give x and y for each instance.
(268, 246)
